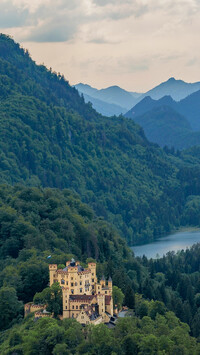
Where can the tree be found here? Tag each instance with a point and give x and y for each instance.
(52, 296)
(118, 297)
(129, 299)
(10, 306)
(60, 349)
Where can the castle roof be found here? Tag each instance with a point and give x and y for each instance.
(80, 268)
(81, 298)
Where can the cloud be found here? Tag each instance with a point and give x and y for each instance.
(12, 15)
(62, 21)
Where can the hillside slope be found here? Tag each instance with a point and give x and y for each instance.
(50, 137)
(157, 125)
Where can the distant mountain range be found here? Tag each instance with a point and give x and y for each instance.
(115, 100)
(110, 101)
(177, 89)
(168, 122)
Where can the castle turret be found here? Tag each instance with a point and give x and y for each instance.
(52, 269)
(103, 281)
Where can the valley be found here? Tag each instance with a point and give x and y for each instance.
(81, 187)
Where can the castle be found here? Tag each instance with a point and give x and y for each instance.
(85, 299)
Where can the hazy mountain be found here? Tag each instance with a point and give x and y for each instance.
(188, 107)
(148, 104)
(168, 122)
(103, 107)
(177, 89)
(86, 89)
(164, 126)
(112, 95)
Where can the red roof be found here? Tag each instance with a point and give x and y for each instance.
(81, 298)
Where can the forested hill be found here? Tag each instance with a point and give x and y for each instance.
(19, 73)
(50, 137)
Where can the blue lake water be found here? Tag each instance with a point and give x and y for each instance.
(172, 242)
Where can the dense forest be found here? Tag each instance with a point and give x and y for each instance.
(77, 184)
(50, 137)
(164, 294)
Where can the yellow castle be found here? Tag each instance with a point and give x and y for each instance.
(84, 298)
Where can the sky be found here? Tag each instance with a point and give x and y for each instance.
(135, 44)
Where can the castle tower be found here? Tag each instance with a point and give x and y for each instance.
(93, 280)
(110, 285)
(103, 281)
(52, 269)
(101, 304)
(66, 306)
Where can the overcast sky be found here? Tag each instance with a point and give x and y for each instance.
(135, 44)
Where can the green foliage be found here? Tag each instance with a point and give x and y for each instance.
(164, 335)
(50, 137)
(129, 299)
(52, 297)
(118, 297)
(10, 306)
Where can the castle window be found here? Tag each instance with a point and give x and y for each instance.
(72, 292)
(72, 307)
(66, 307)
(76, 307)
(72, 284)
(81, 290)
(92, 280)
(71, 278)
(62, 282)
(105, 292)
(92, 274)
(75, 283)
(67, 283)
(80, 282)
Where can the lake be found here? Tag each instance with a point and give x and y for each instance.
(172, 242)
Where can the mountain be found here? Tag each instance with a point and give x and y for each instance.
(155, 116)
(190, 108)
(177, 89)
(147, 104)
(166, 127)
(49, 137)
(86, 89)
(103, 107)
(113, 95)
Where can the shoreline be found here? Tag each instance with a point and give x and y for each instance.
(181, 229)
